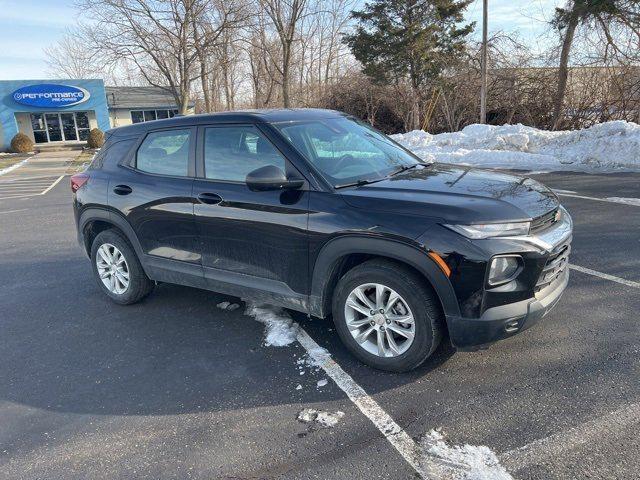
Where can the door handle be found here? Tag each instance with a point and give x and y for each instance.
(122, 190)
(209, 198)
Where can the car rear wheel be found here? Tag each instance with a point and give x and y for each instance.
(117, 269)
(387, 316)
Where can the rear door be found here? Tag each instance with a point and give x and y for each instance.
(154, 193)
(257, 241)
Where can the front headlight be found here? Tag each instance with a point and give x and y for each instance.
(488, 230)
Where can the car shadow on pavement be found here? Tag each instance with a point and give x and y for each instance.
(175, 352)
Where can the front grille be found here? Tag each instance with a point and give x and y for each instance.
(556, 264)
(544, 221)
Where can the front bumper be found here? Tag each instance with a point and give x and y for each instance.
(509, 318)
(506, 320)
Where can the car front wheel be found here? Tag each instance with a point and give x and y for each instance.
(387, 316)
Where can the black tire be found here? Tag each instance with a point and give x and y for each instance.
(139, 284)
(421, 299)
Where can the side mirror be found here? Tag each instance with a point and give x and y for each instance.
(271, 178)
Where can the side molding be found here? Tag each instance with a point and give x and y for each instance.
(331, 255)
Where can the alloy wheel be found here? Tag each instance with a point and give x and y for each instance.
(379, 320)
(112, 268)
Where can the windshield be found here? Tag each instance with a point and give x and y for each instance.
(346, 151)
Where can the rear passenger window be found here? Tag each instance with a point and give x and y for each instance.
(165, 153)
(230, 153)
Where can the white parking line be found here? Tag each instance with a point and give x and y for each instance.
(443, 462)
(606, 276)
(402, 442)
(619, 200)
(13, 167)
(14, 211)
(592, 432)
(28, 187)
(53, 184)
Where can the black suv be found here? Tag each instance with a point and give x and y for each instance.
(317, 212)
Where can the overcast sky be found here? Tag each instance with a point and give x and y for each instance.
(26, 26)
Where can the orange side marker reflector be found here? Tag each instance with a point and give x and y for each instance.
(441, 263)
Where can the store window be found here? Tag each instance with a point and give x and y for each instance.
(138, 116)
(60, 127)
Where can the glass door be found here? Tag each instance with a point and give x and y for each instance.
(39, 128)
(69, 126)
(82, 122)
(53, 127)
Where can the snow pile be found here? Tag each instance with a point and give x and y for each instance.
(606, 147)
(281, 329)
(322, 418)
(465, 462)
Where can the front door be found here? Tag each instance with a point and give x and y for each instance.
(53, 127)
(256, 239)
(68, 126)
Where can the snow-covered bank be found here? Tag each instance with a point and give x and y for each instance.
(603, 148)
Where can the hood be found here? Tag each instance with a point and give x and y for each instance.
(456, 194)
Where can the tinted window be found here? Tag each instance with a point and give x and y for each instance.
(166, 153)
(230, 153)
(112, 152)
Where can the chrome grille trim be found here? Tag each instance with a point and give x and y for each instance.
(556, 265)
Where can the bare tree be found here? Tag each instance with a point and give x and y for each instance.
(284, 16)
(70, 58)
(166, 39)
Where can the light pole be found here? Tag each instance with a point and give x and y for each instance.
(483, 66)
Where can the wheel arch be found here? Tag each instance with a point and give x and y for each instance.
(94, 220)
(338, 253)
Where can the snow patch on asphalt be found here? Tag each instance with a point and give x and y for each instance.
(281, 329)
(320, 417)
(603, 148)
(466, 462)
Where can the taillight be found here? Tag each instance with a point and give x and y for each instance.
(78, 180)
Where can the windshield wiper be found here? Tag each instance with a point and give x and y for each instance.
(358, 183)
(404, 168)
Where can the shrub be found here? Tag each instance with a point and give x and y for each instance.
(21, 143)
(96, 138)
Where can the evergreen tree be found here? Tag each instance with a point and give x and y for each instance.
(409, 41)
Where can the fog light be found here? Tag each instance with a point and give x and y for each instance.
(503, 269)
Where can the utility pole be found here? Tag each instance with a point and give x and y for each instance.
(483, 66)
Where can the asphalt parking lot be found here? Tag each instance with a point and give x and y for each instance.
(175, 387)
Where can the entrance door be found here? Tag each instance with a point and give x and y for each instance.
(53, 127)
(68, 127)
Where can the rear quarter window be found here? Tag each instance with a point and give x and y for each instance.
(112, 152)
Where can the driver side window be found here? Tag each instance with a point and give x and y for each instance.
(230, 153)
